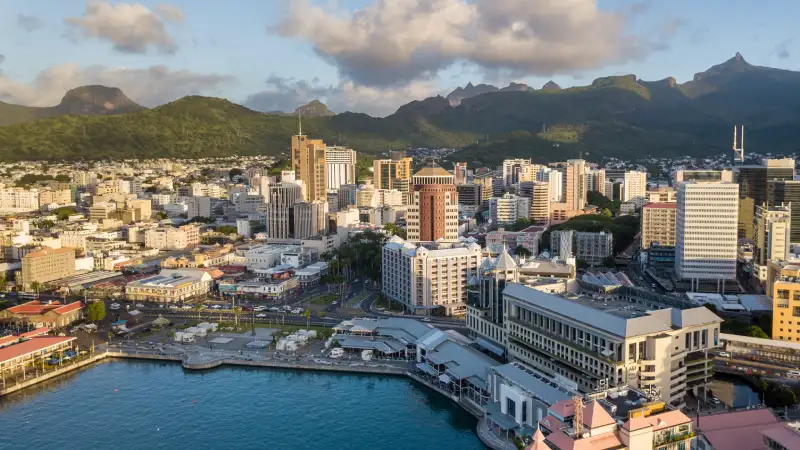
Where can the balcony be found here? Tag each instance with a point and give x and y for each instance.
(672, 438)
(678, 354)
(677, 372)
(561, 340)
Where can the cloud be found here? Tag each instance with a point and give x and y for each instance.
(29, 23)
(131, 28)
(781, 50)
(286, 94)
(671, 26)
(149, 86)
(392, 42)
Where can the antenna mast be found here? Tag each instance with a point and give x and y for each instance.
(300, 121)
(738, 145)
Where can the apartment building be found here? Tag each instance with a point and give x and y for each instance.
(385, 172)
(539, 194)
(512, 169)
(167, 238)
(658, 224)
(460, 173)
(706, 231)
(429, 281)
(102, 210)
(634, 187)
(772, 237)
(555, 179)
(509, 208)
(46, 265)
(575, 184)
(662, 195)
(485, 181)
(595, 345)
(16, 199)
(596, 180)
(594, 248)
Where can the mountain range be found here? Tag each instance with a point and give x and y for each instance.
(619, 116)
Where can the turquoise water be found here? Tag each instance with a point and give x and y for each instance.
(154, 407)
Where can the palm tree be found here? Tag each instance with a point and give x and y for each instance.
(308, 317)
(198, 307)
(237, 311)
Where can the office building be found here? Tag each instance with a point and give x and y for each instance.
(433, 212)
(661, 195)
(367, 197)
(703, 175)
(509, 208)
(539, 193)
(340, 167)
(634, 187)
(485, 181)
(593, 248)
(705, 234)
(170, 286)
(596, 180)
(199, 207)
(658, 224)
(753, 186)
(470, 194)
(575, 184)
(784, 288)
(309, 166)
(786, 193)
(45, 265)
(460, 173)
(485, 311)
(428, 281)
(595, 345)
(512, 169)
(561, 243)
(555, 179)
(102, 210)
(310, 219)
(389, 197)
(346, 196)
(773, 226)
(386, 171)
(280, 209)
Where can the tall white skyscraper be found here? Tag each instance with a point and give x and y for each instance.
(340, 166)
(553, 177)
(634, 187)
(706, 231)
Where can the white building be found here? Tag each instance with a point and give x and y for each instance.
(772, 237)
(199, 206)
(167, 238)
(596, 180)
(310, 219)
(509, 208)
(390, 197)
(340, 165)
(429, 281)
(265, 256)
(706, 231)
(554, 178)
(634, 187)
(512, 169)
(170, 285)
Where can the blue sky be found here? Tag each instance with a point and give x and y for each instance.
(276, 54)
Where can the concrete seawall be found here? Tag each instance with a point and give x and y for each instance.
(53, 374)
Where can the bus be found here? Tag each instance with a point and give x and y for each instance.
(28, 295)
(793, 373)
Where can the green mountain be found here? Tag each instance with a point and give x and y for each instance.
(85, 100)
(619, 116)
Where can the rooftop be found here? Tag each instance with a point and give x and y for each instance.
(739, 430)
(660, 205)
(433, 172)
(34, 345)
(37, 307)
(47, 251)
(172, 278)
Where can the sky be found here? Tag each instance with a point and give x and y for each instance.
(371, 56)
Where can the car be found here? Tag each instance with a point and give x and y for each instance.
(261, 316)
(186, 307)
(335, 302)
(426, 319)
(216, 306)
(274, 309)
(115, 305)
(653, 285)
(139, 305)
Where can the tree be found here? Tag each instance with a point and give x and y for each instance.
(3, 282)
(307, 314)
(237, 311)
(63, 178)
(756, 332)
(479, 218)
(606, 212)
(233, 173)
(151, 189)
(96, 311)
(36, 286)
(226, 229)
(395, 230)
(64, 212)
(161, 215)
(199, 308)
(522, 251)
(777, 395)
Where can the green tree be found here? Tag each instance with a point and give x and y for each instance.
(96, 311)
(161, 215)
(606, 212)
(36, 286)
(307, 315)
(3, 282)
(777, 395)
(63, 178)
(756, 332)
(233, 173)
(479, 218)
(395, 230)
(64, 212)
(522, 251)
(226, 229)
(237, 311)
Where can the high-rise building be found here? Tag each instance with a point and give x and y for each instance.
(787, 193)
(367, 196)
(389, 197)
(46, 264)
(433, 212)
(772, 237)
(596, 180)
(575, 184)
(346, 196)
(487, 186)
(460, 173)
(658, 224)
(386, 171)
(470, 194)
(280, 209)
(661, 195)
(634, 187)
(310, 219)
(506, 210)
(561, 243)
(512, 169)
(593, 247)
(554, 178)
(753, 186)
(340, 167)
(705, 235)
(485, 311)
(308, 163)
(429, 281)
(783, 285)
(539, 193)
(703, 175)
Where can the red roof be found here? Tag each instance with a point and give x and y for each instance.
(661, 205)
(36, 307)
(34, 345)
(739, 430)
(34, 333)
(7, 340)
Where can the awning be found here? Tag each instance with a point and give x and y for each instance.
(497, 350)
(425, 367)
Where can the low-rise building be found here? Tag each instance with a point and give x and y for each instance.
(43, 314)
(171, 285)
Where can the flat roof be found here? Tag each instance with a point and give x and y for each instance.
(34, 345)
(545, 389)
(740, 430)
(758, 341)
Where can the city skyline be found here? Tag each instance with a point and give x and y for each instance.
(157, 52)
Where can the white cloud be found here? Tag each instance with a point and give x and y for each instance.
(286, 94)
(131, 28)
(148, 87)
(391, 42)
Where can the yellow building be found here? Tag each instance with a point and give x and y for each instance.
(47, 264)
(308, 163)
(785, 292)
(658, 224)
(387, 171)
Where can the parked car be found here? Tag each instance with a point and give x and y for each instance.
(139, 305)
(261, 315)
